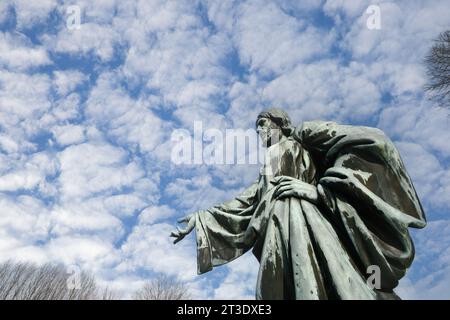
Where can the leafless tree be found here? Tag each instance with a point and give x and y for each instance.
(438, 70)
(26, 281)
(163, 288)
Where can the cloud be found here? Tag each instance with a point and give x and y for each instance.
(88, 217)
(23, 97)
(16, 54)
(30, 173)
(432, 264)
(28, 14)
(69, 134)
(152, 214)
(350, 9)
(67, 81)
(149, 247)
(240, 281)
(93, 38)
(128, 121)
(75, 249)
(86, 118)
(271, 42)
(88, 168)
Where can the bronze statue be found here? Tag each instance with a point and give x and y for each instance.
(337, 203)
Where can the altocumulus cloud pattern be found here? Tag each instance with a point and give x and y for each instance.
(86, 117)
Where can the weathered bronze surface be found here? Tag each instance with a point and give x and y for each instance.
(337, 201)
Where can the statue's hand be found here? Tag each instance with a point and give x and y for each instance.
(181, 233)
(291, 187)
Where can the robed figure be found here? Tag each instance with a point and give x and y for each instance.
(330, 209)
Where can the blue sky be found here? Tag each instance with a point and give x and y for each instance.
(86, 117)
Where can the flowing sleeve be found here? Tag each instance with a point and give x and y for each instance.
(364, 187)
(220, 230)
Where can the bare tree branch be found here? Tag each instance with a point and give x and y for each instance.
(437, 63)
(25, 281)
(162, 288)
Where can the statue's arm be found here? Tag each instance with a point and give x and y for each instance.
(220, 230)
(242, 205)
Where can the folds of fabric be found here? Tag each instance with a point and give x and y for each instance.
(220, 230)
(321, 250)
(301, 256)
(368, 193)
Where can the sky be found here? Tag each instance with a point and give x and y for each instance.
(88, 108)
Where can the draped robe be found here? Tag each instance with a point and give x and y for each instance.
(327, 249)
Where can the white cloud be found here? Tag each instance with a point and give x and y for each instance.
(240, 281)
(89, 217)
(418, 121)
(29, 13)
(128, 121)
(124, 205)
(424, 168)
(78, 250)
(30, 173)
(8, 144)
(22, 97)
(69, 134)
(24, 219)
(348, 8)
(16, 54)
(149, 247)
(91, 37)
(155, 213)
(198, 193)
(270, 41)
(432, 263)
(67, 81)
(4, 8)
(88, 168)
(327, 90)
(174, 54)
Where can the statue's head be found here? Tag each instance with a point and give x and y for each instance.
(272, 125)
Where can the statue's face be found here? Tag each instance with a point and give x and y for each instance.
(268, 131)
